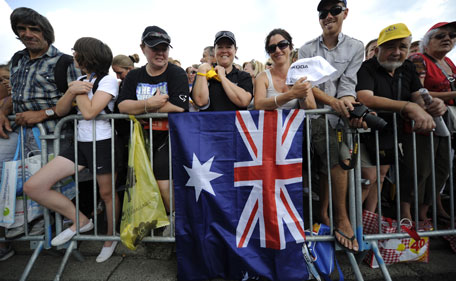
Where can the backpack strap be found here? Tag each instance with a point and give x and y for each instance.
(61, 72)
(95, 87)
(15, 59)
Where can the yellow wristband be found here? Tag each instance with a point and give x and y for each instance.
(201, 74)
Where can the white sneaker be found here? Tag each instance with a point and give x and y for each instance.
(68, 233)
(106, 252)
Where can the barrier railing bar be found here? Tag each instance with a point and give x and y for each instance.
(309, 174)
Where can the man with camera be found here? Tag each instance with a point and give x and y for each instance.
(390, 82)
(346, 55)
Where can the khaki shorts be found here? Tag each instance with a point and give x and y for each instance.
(318, 135)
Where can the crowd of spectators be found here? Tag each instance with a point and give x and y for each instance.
(378, 75)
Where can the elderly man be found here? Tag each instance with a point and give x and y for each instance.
(377, 88)
(35, 86)
(346, 55)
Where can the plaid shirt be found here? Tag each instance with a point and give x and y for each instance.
(33, 85)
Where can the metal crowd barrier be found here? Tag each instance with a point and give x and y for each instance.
(354, 193)
(37, 242)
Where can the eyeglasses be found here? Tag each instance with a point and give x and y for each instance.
(282, 46)
(193, 72)
(334, 11)
(440, 36)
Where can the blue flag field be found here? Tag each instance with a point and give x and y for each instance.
(238, 193)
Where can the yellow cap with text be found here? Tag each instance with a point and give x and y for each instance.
(392, 32)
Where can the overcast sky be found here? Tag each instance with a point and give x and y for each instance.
(192, 24)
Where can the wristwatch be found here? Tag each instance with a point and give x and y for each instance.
(49, 112)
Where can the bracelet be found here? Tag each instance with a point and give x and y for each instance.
(145, 106)
(201, 74)
(275, 101)
(402, 109)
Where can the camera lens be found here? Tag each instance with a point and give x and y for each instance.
(374, 122)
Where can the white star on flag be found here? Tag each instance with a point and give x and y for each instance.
(201, 176)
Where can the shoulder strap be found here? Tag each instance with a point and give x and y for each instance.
(95, 87)
(15, 59)
(448, 77)
(61, 72)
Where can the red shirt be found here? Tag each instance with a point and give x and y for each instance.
(434, 80)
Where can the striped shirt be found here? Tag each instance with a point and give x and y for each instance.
(33, 85)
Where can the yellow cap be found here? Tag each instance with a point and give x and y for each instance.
(392, 32)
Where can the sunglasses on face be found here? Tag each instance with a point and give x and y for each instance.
(193, 72)
(334, 12)
(282, 46)
(440, 36)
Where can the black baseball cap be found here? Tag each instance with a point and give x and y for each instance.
(323, 3)
(154, 35)
(225, 34)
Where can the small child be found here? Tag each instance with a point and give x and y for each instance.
(94, 58)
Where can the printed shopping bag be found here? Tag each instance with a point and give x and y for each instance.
(323, 253)
(12, 181)
(452, 240)
(143, 208)
(413, 248)
(34, 210)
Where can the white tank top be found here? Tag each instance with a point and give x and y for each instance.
(271, 92)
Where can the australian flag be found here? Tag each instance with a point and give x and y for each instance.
(238, 192)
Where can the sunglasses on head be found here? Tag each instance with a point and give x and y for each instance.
(225, 34)
(334, 11)
(440, 36)
(282, 46)
(153, 34)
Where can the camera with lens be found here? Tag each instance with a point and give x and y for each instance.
(373, 121)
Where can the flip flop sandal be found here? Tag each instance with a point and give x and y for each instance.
(346, 237)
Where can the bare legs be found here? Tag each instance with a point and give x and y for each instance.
(163, 185)
(38, 187)
(339, 178)
(105, 184)
(370, 191)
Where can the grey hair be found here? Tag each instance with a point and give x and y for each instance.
(426, 39)
(210, 50)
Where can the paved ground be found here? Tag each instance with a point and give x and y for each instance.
(157, 261)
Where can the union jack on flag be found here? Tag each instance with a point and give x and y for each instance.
(269, 172)
(238, 191)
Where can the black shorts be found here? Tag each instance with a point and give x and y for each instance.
(85, 155)
(160, 154)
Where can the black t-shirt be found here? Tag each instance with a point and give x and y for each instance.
(372, 76)
(139, 85)
(218, 99)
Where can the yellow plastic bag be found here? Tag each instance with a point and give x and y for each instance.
(143, 208)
